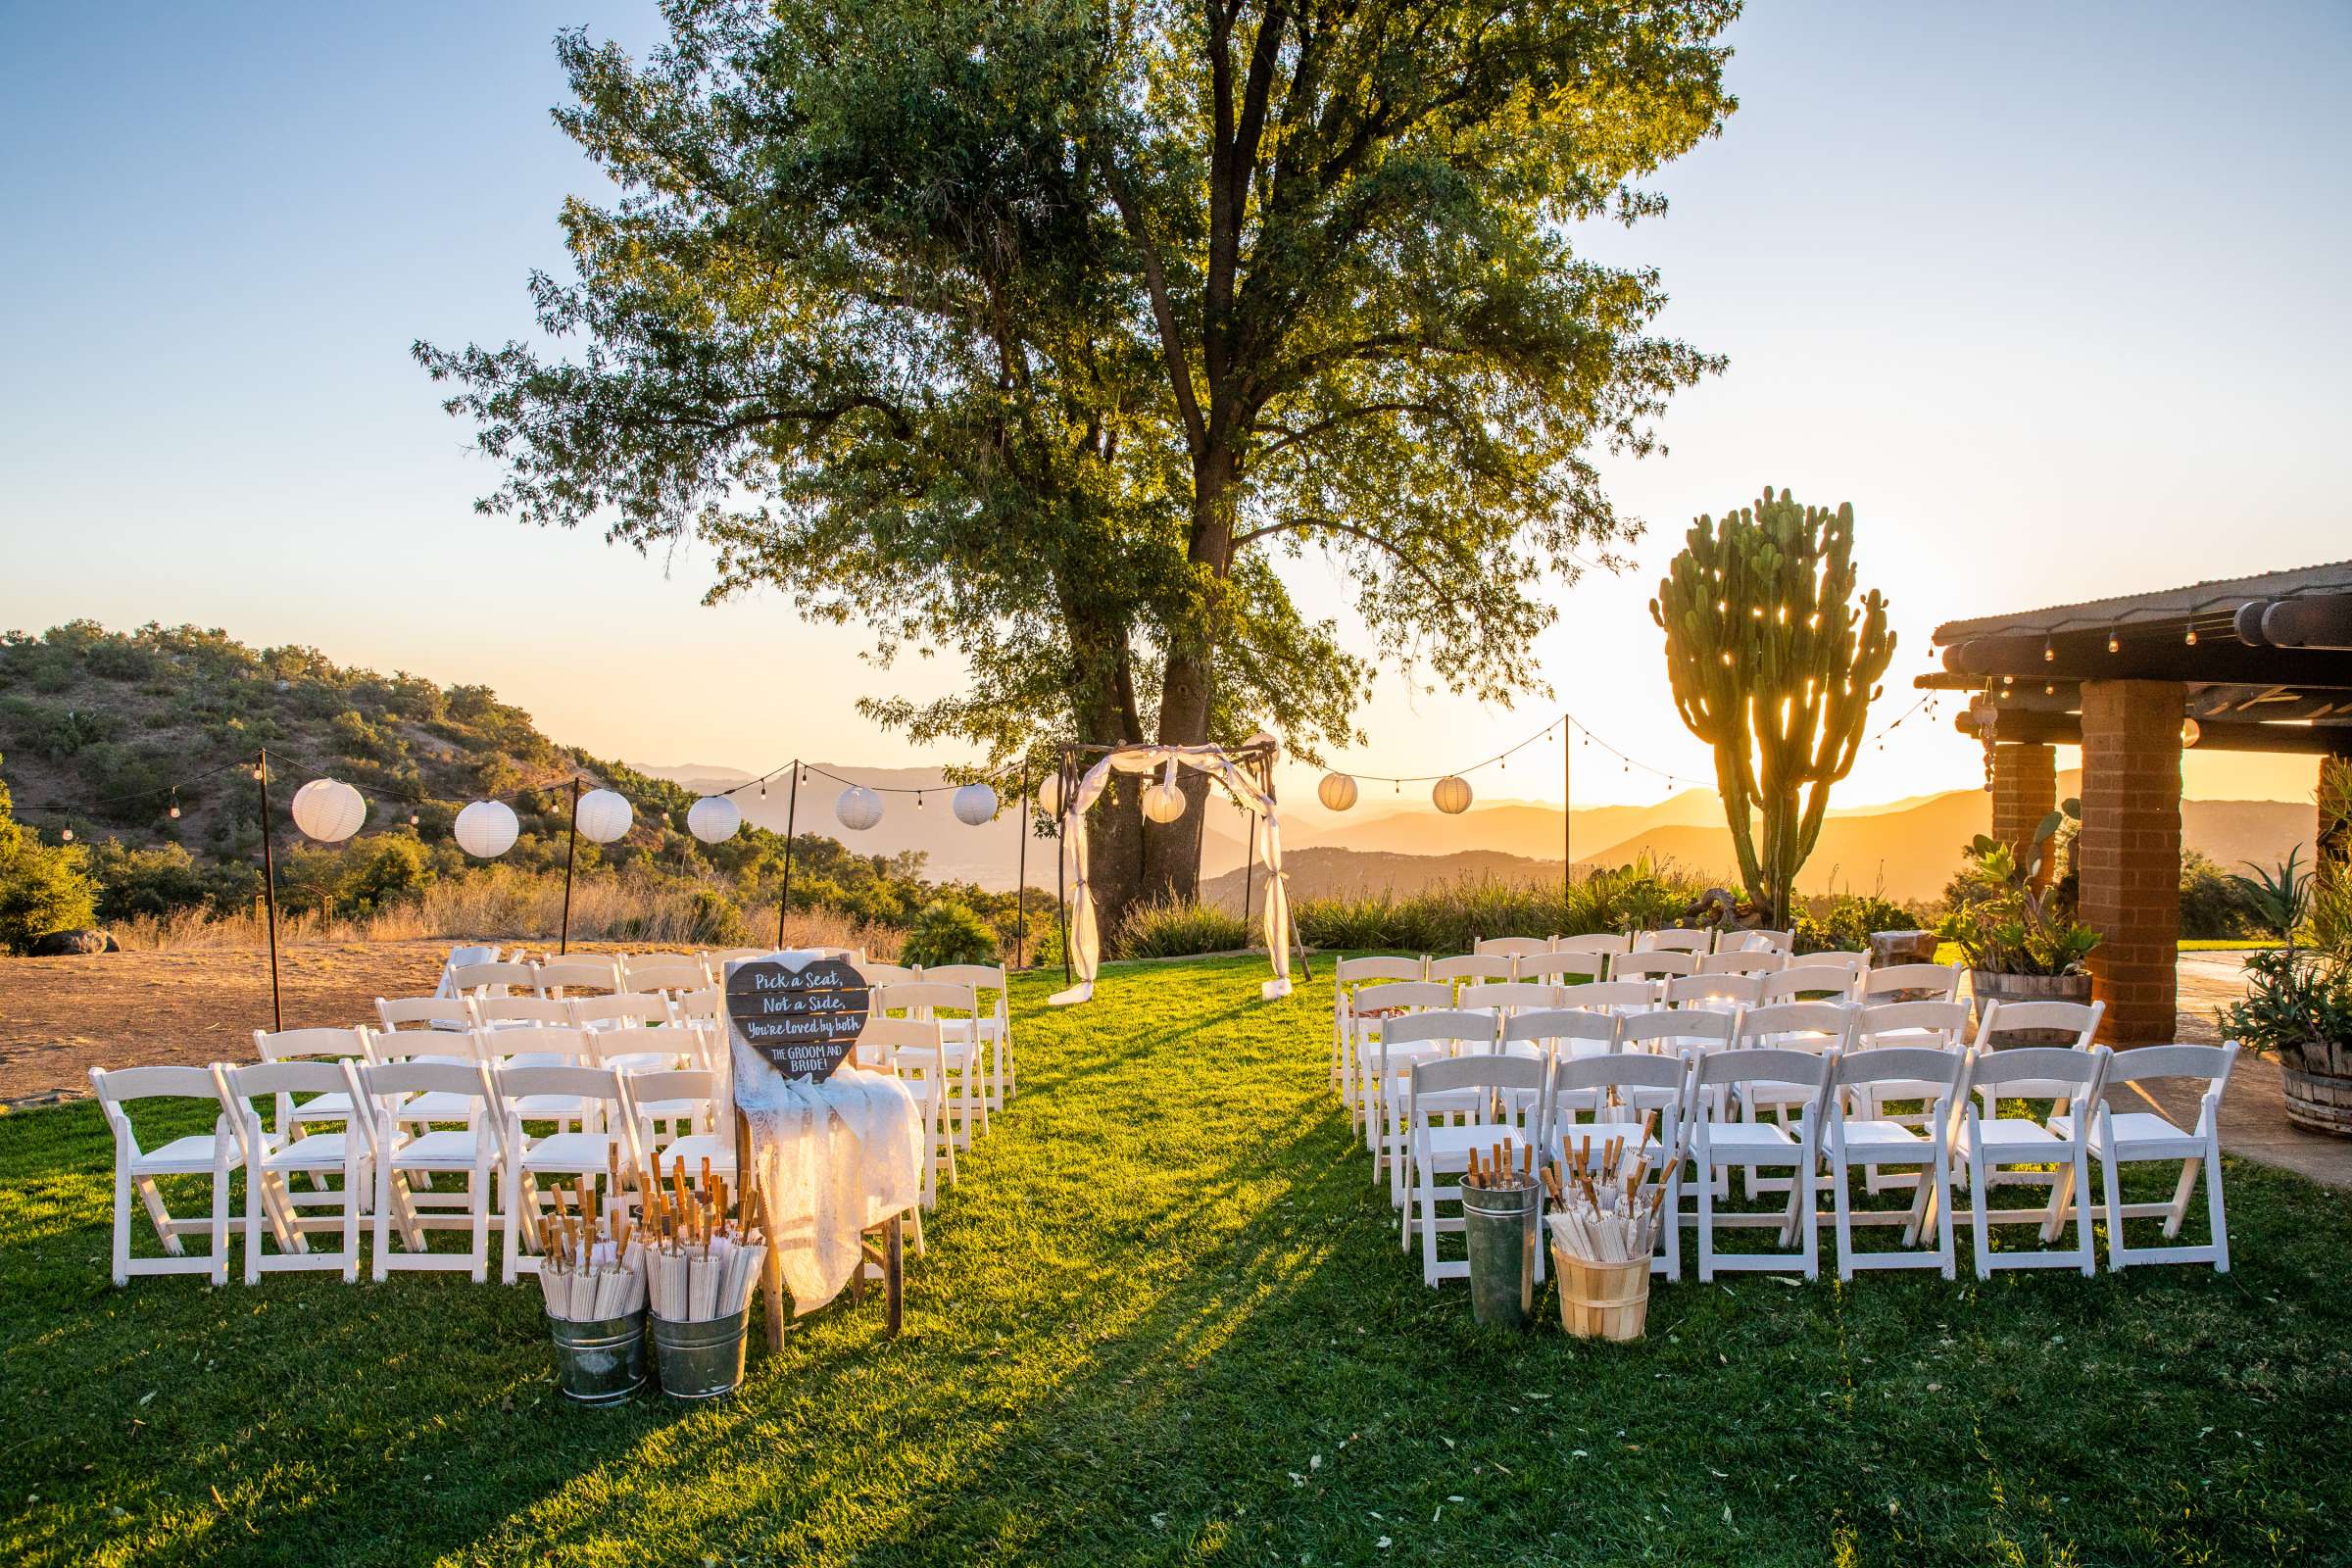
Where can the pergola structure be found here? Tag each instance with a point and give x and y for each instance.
(2252, 665)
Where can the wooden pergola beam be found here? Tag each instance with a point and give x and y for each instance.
(2083, 656)
(2031, 728)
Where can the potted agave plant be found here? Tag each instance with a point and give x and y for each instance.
(2299, 1005)
(2019, 941)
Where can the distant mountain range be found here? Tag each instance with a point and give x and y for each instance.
(1905, 850)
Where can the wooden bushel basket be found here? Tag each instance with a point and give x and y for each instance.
(1602, 1300)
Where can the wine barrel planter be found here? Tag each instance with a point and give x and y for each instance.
(1992, 985)
(2317, 1089)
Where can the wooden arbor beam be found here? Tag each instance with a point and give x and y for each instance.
(2083, 656)
(2040, 728)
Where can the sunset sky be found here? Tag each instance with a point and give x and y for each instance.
(2054, 295)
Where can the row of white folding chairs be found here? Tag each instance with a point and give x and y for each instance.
(403, 1123)
(1535, 1034)
(1705, 1110)
(1681, 939)
(1375, 988)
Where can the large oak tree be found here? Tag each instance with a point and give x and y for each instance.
(1051, 333)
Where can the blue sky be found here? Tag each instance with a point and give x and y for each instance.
(2054, 295)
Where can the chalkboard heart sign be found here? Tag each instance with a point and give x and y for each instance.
(804, 1021)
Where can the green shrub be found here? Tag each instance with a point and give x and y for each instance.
(1451, 919)
(718, 920)
(1843, 922)
(949, 931)
(2214, 904)
(1175, 929)
(166, 880)
(43, 887)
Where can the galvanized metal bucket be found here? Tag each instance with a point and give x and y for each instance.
(600, 1362)
(701, 1359)
(1499, 1225)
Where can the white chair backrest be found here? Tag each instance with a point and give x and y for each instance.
(1742, 961)
(1717, 991)
(1562, 1026)
(1676, 939)
(1605, 942)
(1442, 1025)
(1510, 947)
(701, 1004)
(697, 1087)
(492, 1011)
(462, 957)
(1940, 981)
(2149, 1063)
(117, 1088)
(1507, 994)
(1762, 1065)
(882, 1039)
(1590, 1082)
(494, 979)
(587, 973)
(2029, 1072)
(1448, 1073)
(1653, 964)
(1613, 996)
(1470, 966)
(1564, 966)
(663, 971)
(1402, 996)
(1796, 1026)
(1842, 957)
(2080, 1019)
(1803, 978)
(278, 1080)
(387, 1083)
(979, 976)
(1910, 1066)
(535, 1045)
(433, 1012)
(1907, 1022)
(295, 1045)
(925, 997)
(623, 1009)
(1348, 971)
(1677, 1029)
(889, 974)
(1761, 940)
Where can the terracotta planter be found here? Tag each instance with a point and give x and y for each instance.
(1992, 985)
(2316, 1083)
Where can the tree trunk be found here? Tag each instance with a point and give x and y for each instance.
(1171, 866)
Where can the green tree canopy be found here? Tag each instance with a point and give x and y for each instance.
(1053, 334)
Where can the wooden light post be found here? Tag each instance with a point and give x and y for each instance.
(260, 779)
(572, 852)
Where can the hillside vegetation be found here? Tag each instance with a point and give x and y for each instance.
(146, 739)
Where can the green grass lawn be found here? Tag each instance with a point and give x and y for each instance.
(1165, 1320)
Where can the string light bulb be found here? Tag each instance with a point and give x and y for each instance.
(2049, 652)
(64, 835)
(412, 819)
(2115, 644)
(2192, 637)
(175, 813)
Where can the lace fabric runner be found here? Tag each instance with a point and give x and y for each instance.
(832, 1160)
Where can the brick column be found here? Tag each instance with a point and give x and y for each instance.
(2130, 853)
(2024, 790)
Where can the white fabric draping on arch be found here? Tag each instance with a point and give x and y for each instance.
(1085, 937)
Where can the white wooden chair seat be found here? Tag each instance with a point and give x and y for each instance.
(1868, 1142)
(1735, 1141)
(320, 1152)
(448, 1149)
(1448, 1148)
(571, 1151)
(2011, 1138)
(191, 1155)
(2135, 1134)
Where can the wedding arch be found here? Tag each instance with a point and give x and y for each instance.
(1248, 773)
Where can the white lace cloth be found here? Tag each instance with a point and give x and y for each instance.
(831, 1159)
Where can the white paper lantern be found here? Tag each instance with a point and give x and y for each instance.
(1453, 795)
(329, 809)
(486, 829)
(1337, 792)
(858, 809)
(1048, 794)
(1273, 747)
(1163, 802)
(713, 818)
(974, 804)
(603, 816)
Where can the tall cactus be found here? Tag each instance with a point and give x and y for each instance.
(1774, 668)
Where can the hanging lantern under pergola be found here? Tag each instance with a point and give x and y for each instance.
(975, 805)
(329, 809)
(1048, 794)
(603, 816)
(1337, 792)
(1451, 795)
(858, 809)
(1163, 802)
(486, 829)
(715, 818)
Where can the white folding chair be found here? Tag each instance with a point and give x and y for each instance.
(1814, 1028)
(661, 971)
(1546, 1035)
(1982, 1145)
(1717, 993)
(2141, 1134)
(1608, 944)
(1471, 966)
(1506, 997)
(1349, 976)
(1455, 1106)
(1653, 964)
(1369, 1008)
(276, 1154)
(878, 973)
(443, 1013)
(1697, 941)
(1608, 1098)
(462, 956)
(1564, 968)
(2068, 1024)
(564, 978)
(502, 1013)
(1760, 940)
(586, 1153)
(1404, 1042)
(1909, 982)
(1510, 947)
(1742, 961)
(1807, 981)
(698, 1006)
(937, 1001)
(215, 1154)
(992, 1023)
(1913, 1025)
(332, 1103)
(911, 1051)
(1861, 1079)
(675, 1113)
(1717, 1145)
(407, 1151)
(1681, 1034)
(497, 978)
